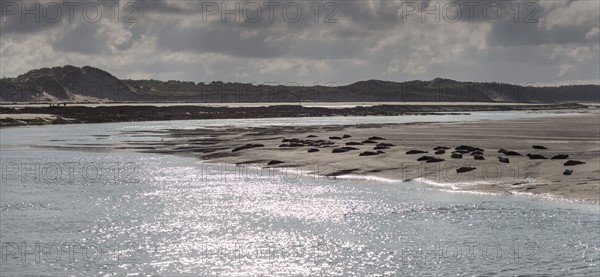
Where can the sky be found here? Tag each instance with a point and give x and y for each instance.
(528, 42)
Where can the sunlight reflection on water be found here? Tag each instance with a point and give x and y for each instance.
(162, 223)
(173, 216)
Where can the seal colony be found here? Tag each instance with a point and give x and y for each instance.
(476, 152)
(558, 156)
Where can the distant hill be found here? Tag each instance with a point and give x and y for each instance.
(89, 84)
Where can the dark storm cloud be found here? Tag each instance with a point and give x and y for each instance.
(82, 39)
(531, 28)
(162, 6)
(220, 39)
(41, 18)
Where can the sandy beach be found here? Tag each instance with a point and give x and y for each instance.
(269, 147)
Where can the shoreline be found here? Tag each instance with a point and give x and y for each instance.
(373, 179)
(22, 116)
(576, 136)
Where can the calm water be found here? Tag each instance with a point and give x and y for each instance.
(90, 211)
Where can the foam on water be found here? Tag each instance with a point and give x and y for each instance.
(368, 178)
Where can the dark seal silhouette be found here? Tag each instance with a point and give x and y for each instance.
(425, 158)
(386, 144)
(414, 151)
(247, 146)
(353, 143)
(339, 150)
(536, 157)
(435, 160)
(465, 169)
(456, 156)
(572, 162)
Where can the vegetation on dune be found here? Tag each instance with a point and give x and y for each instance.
(89, 84)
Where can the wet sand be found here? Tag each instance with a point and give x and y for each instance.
(577, 136)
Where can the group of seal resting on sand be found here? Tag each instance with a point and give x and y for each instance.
(316, 145)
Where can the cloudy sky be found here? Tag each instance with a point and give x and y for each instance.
(536, 42)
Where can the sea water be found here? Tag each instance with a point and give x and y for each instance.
(89, 211)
